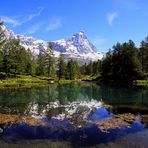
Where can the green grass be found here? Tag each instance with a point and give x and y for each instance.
(63, 81)
(141, 82)
(22, 81)
(90, 77)
(25, 81)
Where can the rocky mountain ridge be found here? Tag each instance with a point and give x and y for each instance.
(77, 47)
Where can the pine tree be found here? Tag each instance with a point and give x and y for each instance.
(107, 65)
(2, 42)
(96, 67)
(122, 63)
(1, 61)
(29, 62)
(50, 61)
(72, 70)
(10, 60)
(144, 55)
(61, 68)
(41, 65)
(83, 69)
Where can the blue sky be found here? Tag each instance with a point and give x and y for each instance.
(104, 21)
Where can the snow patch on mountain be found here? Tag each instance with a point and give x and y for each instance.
(35, 46)
(8, 33)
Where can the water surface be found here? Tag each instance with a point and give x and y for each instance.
(74, 115)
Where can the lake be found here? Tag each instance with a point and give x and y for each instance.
(74, 115)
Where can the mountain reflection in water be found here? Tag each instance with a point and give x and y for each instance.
(79, 120)
(79, 123)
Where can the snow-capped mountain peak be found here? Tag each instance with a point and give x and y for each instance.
(82, 43)
(8, 33)
(77, 47)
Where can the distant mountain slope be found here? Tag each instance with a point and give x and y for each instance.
(77, 47)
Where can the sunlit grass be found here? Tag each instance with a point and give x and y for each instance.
(63, 81)
(22, 81)
(141, 82)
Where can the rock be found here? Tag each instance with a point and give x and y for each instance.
(33, 122)
(4, 118)
(116, 122)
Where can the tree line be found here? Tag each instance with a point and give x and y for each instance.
(124, 62)
(16, 60)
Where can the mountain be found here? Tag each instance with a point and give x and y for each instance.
(77, 47)
(36, 46)
(8, 33)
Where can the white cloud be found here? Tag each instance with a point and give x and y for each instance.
(20, 20)
(111, 17)
(9, 20)
(54, 24)
(31, 16)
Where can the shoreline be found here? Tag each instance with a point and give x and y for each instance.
(30, 81)
(24, 81)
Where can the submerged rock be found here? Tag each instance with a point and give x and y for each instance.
(118, 121)
(4, 118)
(110, 123)
(12, 119)
(33, 122)
(128, 117)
